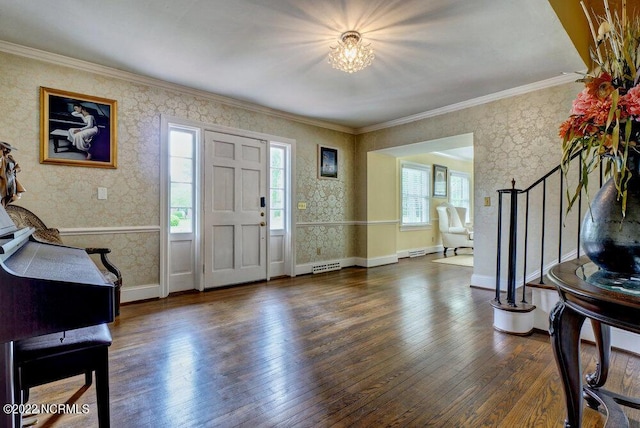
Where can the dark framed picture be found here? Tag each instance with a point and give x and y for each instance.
(77, 129)
(439, 181)
(327, 162)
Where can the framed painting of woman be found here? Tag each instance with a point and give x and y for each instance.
(77, 129)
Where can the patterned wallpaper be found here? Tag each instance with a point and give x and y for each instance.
(325, 229)
(65, 196)
(513, 138)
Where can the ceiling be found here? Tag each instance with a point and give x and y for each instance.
(456, 147)
(273, 53)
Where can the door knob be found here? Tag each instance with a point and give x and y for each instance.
(262, 223)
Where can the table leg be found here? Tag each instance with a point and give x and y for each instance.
(564, 328)
(602, 333)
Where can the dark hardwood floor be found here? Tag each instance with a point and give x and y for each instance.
(409, 344)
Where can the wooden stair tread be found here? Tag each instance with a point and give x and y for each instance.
(541, 286)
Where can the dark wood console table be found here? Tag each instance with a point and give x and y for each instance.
(607, 300)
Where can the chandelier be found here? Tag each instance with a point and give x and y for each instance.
(351, 54)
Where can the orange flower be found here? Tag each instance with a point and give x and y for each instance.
(600, 87)
(565, 128)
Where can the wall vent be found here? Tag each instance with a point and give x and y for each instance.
(325, 267)
(417, 253)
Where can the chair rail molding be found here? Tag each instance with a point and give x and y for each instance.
(71, 231)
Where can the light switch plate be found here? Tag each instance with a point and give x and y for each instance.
(102, 193)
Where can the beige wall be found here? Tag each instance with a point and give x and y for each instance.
(65, 196)
(513, 138)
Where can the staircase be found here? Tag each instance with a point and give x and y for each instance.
(534, 233)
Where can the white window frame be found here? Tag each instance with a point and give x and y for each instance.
(426, 170)
(466, 203)
(166, 124)
(286, 179)
(195, 135)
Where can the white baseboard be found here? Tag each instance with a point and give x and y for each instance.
(485, 281)
(535, 275)
(428, 250)
(152, 291)
(350, 261)
(378, 261)
(139, 292)
(308, 267)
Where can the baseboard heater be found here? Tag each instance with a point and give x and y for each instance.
(417, 253)
(325, 267)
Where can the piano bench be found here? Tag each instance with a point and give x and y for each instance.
(59, 136)
(43, 359)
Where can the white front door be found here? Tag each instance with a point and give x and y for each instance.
(235, 211)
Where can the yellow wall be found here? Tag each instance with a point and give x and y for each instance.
(429, 237)
(385, 237)
(382, 183)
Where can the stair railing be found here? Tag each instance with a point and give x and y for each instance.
(511, 240)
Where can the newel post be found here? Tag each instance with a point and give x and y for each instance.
(509, 317)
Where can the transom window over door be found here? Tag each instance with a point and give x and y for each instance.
(416, 186)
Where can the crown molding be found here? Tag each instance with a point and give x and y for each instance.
(27, 52)
(520, 90)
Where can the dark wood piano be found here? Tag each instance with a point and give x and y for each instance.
(44, 289)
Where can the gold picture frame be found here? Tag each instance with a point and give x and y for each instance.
(77, 129)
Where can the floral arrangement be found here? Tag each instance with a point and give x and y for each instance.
(603, 117)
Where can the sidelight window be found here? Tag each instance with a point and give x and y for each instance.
(181, 172)
(277, 187)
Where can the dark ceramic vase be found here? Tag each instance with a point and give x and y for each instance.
(612, 243)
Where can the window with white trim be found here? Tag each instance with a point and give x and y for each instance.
(181, 172)
(415, 185)
(460, 191)
(277, 187)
